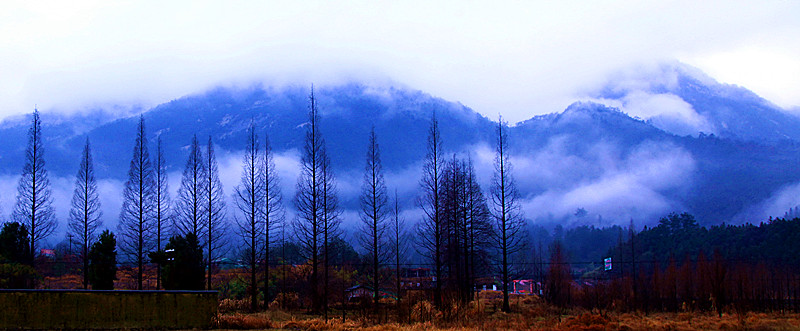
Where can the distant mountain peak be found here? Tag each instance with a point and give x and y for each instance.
(683, 100)
(592, 108)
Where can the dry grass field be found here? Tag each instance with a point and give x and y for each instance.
(529, 313)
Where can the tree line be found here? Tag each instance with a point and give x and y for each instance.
(465, 233)
(679, 265)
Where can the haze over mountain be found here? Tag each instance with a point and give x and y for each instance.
(680, 99)
(649, 142)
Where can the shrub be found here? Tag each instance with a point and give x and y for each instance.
(288, 301)
(586, 322)
(233, 305)
(242, 321)
(15, 275)
(424, 311)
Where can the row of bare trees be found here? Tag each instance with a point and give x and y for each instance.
(148, 216)
(463, 234)
(700, 284)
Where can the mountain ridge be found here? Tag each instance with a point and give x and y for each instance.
(591, 156)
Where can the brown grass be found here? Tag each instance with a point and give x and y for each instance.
(424, 311)
(243, 321)
(528, 313)
(233, 305)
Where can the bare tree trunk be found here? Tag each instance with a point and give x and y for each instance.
(506, 210)
(136, 218)
(248, 198)
(85, 214)
(430, 231)
(34, 206)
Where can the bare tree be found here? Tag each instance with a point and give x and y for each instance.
(190, 208)
(84, 216)
(478, 228)
(272, 208)
(398, 242)
(316, 204)
(466, 224)
(249, 200)
(330, 221)
(163, 213)
(506, 211)
(34, 207)
(374, 212)
(431, 230)
(136, 219)
(216, 227)
(308, 201)
(557, 283)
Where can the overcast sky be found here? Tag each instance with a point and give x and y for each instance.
(515, 58)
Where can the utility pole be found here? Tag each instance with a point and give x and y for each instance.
(70, 244)
(633, 258)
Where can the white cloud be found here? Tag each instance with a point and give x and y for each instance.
(606, 183)
(109, 191)
(519, 59)
(664, 110)
(775, 206)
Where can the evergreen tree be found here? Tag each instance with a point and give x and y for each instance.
(103, 262)
(84, 216)
(183, 263)
(15, 260)
(34, 206)
(137, 221)
(15, 244)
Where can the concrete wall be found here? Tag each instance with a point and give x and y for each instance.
(79, 309)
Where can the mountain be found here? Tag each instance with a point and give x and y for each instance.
(683, 100)
(348, 113)
(597, 162)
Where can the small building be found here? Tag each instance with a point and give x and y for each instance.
(364, 293)
(524, 286)
(416, 278)
(48, 253)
